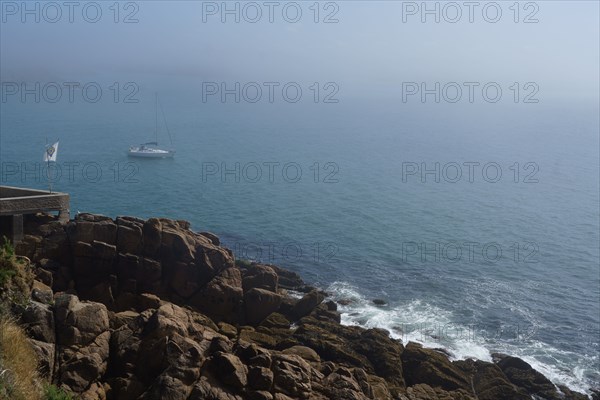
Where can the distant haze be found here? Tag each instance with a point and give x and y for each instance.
(369, 52)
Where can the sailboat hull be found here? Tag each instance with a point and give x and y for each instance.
(150, 153)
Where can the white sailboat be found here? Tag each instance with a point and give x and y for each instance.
(151, 149)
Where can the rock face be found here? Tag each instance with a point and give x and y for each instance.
(82, 334)
(134, 309)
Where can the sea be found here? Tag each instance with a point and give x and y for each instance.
(468, 227)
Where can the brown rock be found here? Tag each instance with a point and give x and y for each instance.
(230, 370)
(379, 388)
(96, 391)
(307, 304)
(228, 330)
(260, 378)
(105, 231)
(211, 260)
(214, 239)
(55, 244)
(341, 385)
(44, 274)
(306, 353)
(488, 381)
(128, 267)
(175, 244)
(129, 238)
(261, 277)
(259, 303)
(45, 353)
(80, 367)
(384, 353)
(292, 376)
(184, 279)
(259, 395)
(432, 368)
(149, 275)
(38, 319)
(206, 390)
(152, 232)
(28, 246)
(119, 319)
(101, 293)
(80, 231)
(287, 279)
(104, 252)
(260, 338)
(42, 292)
(220, 344)
(221, 299)
(521, 374)
(426, 392)
(276, 321)
(571, 395)
(281, 396)
(169, 320)
(332, 342)
(79, 322)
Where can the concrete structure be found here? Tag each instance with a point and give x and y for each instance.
(16, 202)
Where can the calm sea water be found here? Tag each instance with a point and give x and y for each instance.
(473, 263)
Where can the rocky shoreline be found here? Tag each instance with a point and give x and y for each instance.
(148, 309)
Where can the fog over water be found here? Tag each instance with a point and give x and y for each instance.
(450, 168)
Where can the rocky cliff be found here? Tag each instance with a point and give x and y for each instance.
(148, 309)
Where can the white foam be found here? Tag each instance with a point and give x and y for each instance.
(433, 327)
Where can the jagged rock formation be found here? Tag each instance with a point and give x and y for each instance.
(134, 309)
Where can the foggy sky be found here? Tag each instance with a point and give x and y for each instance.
(370, 51)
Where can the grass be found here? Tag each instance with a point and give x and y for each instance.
(19, 375)
(19, 378)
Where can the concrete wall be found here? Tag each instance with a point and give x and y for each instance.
(14, 202)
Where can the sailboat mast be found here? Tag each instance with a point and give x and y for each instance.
(156, 117)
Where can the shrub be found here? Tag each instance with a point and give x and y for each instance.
(16, 276)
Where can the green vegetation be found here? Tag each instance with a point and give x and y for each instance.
(6, 276)
(16, 276)
(240, 263)
(51, 392)
(7, 250)
(6, 269)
